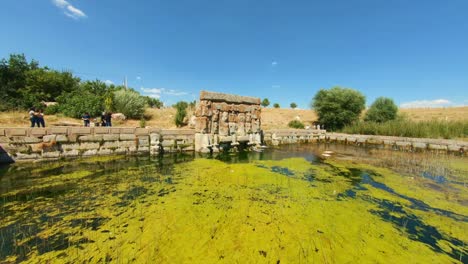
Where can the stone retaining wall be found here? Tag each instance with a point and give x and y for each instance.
(17, 144)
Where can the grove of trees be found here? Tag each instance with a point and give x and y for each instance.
(382, 110)
(26, 84)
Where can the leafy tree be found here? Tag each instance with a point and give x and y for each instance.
(129, 103)
(265, 102)
(293, 105)
(382, 110)
(276, 105)
(78, 102)
(153, 102)
(296, 124)
(338, 106)
(181, 113)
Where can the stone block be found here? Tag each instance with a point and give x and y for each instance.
(114, 130)
(141, 131)
(168, 143)
(143, 142)
(127, 136)
(25, 140)
(154, 138)
(437, 147)
(375, 141)
(110, 144)
(91, 138)
(49, 138)
(67, 147)
(2, 132)
(455, 148)
(89, 146)
(127, 130)
(111, 137)
(419, 145)
(70, 153)
(351, 139)
(37, 132)
(127, 144)
(51, 154)
(90, 152)
(389, 142)
(132, 149)
(4, 139)
(21, 156)
(63, 138)
(105, 151)
(81, 130)
(101, 130)
(16, 132)
(143, 149)
(57, 131)
(120, 151)
(403, 144)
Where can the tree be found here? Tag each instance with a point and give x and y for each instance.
(129, 103)
(265, 102)
(382, 110)
(293, 105)
(78, 102)
(181, 113)
(338, 106)
(276, 105)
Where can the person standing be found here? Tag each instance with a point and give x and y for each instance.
(40, 118)
(103, 119)
(108, 119)
(86, 119)
(32, 116)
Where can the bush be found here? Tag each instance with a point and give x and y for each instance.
(265, 102)
(276, 105)
(296, 124)
(129, 103)
(181, 113)
(338, 107)
(293, 105)
(52, 109)
(77, 103)
(382, 110)
(153, 102)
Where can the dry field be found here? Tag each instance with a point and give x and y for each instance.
(272, 118)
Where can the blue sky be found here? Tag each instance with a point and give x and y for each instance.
(415, 52)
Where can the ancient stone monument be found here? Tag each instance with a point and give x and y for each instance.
(226, 118)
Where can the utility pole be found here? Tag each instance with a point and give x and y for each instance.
(125, 83)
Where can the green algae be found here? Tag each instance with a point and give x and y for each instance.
(263, 211)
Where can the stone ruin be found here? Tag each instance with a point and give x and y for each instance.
(226, 119)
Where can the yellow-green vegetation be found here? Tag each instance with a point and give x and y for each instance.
(209, 211)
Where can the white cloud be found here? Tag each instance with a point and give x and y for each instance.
(427, 103)
(108, 82)
(138, 78)
(158, 92)
(274, 63)
(68, 9)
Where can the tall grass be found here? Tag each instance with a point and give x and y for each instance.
(408, 128)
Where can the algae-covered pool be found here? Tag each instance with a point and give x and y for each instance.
(284, 205)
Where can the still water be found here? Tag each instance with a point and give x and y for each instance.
(284, 205)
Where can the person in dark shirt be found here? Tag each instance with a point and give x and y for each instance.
(40, 118)
(108, 118)
(32, 116)
(103, 119)
(86, 119)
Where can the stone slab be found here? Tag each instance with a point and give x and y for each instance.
(101, 130)
(111, 137)
(25, 140)
(16, 132)
(36, 132)
(229, 98)
(2, 132)
(91, 138)
(127, 137)
(80, 130)
(57, 131)
(127, 130)
(176, 132)
(141, 131)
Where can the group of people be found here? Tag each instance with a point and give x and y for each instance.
(106, 119)
(36, 117)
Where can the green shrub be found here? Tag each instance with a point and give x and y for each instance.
(142, 122)
(382, 110)
(276, 105)
(129, 103)
(338, 107)
(293, 105)
(52, 109)
(77, 103)
(265, 102)
(181, 113)
(296, 124)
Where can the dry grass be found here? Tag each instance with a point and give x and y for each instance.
(445, 113)
(272, 118)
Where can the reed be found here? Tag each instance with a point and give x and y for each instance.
(408, 128)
